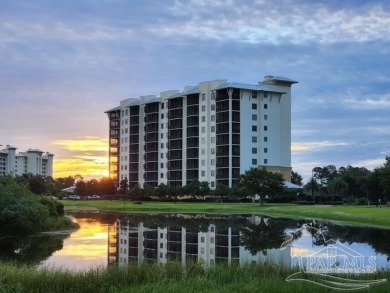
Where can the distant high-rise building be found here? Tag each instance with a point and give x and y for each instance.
(212, 132)
(32, 161)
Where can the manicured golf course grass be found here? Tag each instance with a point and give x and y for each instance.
(357, 215)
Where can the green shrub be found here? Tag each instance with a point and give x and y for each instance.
(362, 201)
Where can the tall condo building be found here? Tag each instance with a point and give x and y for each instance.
(32, 161)
(212, 132)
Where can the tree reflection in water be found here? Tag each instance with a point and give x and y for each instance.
(268, 233)
(30, 250)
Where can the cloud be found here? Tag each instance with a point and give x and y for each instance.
(369, 103)
(314, 146)
(275, 22)
(87, 156)
(85, 144)
(256, 22)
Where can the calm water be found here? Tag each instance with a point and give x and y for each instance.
(102, 239)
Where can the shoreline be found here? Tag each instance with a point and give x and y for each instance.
(376, 217)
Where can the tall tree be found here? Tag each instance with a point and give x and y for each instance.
(92, 187)
(262, 183)
(123, 186)
(296, 178)
(81, 188)
(107, 186)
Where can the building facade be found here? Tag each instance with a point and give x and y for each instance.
(33, 161)
(212, 132)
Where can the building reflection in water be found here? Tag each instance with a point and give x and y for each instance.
(138, 243)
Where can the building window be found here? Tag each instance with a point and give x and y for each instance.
(254, 117)
(212, 117)
(265, 161)
(265, 150)
(265, 117)
(162, 105)
(213, 139)
(212, 107)
(212, 151)
(265, 127)
(203, 118)
(203, 173)
(265, 106)
(254, 138)
(203, 140)
(254, 127)
(161, 245)
(203, 97)
(254, 106)
(162, 116)
(212, 162)
(162, 145)
(254, 150)
(203, 151)
(254, 161)
(203, 162)
(162, 165)
(162, 125)
(203, 129)
(265, 138)
(202, 250)
(212, 128)
(203, 108)
(162, 175)
(212, 173)
(254, 95)
(162, 135)
(202, 239)
(162, 155)
(127, 112)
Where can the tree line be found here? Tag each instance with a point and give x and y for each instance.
(351, 182)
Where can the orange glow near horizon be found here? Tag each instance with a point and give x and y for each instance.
(87, 156)
(84, 249)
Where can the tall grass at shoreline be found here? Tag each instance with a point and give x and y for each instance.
(171, 277)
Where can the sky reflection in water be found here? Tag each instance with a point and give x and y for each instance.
(85, 248)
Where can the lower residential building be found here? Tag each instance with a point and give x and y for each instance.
(212, 132)
(32, 161)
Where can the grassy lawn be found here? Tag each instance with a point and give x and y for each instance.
(357, 215)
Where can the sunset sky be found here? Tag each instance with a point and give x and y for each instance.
(63, 63)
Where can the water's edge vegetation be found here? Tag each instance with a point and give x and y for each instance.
(25, 213)
(171, 277)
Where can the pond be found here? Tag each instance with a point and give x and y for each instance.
(121, 239)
